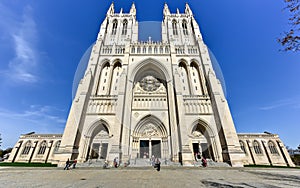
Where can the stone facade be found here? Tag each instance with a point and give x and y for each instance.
(264, 149)
(139, 99)
(36, 148)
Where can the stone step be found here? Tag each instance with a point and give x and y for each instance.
(146, 162)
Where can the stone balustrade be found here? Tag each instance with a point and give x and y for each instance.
(197, 104)
(102, 104)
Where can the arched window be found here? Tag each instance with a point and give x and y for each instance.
(184, 27)
(133, 50)
(138, 49)
(43, 147)
(124, 30)
(114, 28)
(256, 147)
(149, 49)
(242, 146)
(174, 27)
(155, 50)
(57, 146)
(26, 148)
(272, 147)
(161, 50)
(167, 50)
(144, 50)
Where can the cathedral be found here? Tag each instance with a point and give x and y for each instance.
(139, 99)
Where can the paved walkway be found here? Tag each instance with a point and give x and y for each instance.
(149, 177)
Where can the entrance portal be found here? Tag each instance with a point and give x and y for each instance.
(144, 148)
(205, 150)
(196, 151)
(146, 151)
(156, 149)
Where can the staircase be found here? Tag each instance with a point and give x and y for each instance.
(92, 163)
(211, 163)
(140, 162)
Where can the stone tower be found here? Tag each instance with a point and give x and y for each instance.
(139, 99)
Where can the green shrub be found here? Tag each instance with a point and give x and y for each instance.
(29, 164)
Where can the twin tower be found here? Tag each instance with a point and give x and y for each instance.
(139, 100)
(142, 99)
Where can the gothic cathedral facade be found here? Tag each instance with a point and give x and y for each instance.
(142, 99)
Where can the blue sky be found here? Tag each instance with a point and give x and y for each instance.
(41, 44)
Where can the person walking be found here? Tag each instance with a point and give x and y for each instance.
(67, 164)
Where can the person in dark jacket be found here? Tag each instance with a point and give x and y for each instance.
(157, 164)
(67, 164)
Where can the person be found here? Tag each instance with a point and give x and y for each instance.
(157, 164)
(116, 162)
(153, 160)
(67, 164)
(74, 163)
(204, 162)
(198, 156)
(105, 165)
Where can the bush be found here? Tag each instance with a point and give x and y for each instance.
(29, 164)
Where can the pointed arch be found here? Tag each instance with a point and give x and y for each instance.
(257, 147)
(124, 29)
(43, 147)
(197, 78)
(185, 78)
(115, 75)
(27, 148)
(152, 67)
(174, 27)
(141, 126)
(184, 27)
(96, 127)
(114, 27)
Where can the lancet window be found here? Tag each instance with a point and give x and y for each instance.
(184, 27)
(124, 30)
(43, 147)
(114, 28)
(174, 27)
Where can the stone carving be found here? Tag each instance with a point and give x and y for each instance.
(197, 134)
(102, 134)
(149, 83)
(150, 130)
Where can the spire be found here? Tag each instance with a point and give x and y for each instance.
(132, 9)
(188, 10)
(111, 9)
(166, 10)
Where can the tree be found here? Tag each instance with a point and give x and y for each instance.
(291, 39)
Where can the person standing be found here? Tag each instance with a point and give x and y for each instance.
(157, 164)
(152, 161)
(204, 162)
(74, 163)
(116, 162)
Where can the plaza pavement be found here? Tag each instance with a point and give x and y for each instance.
(149, 177)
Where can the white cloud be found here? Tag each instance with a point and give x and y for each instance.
(22, 34)
(37, 114)
(291, 102)
(37, 118)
